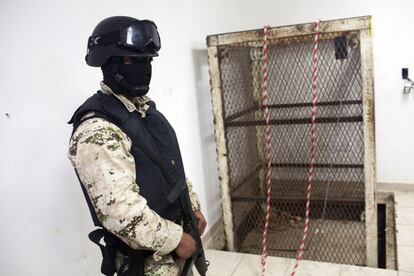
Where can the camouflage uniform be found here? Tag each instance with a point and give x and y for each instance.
(100, 152)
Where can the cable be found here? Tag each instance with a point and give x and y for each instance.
(333, 155)
(311, 173)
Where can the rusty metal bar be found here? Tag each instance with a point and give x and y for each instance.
(290, 105)
(318, 165)
(285, 205)
(297, 201)
(241, 113)
(219, 131)
(340, 25)
(327, 103)
(326, 120)
(369, 147)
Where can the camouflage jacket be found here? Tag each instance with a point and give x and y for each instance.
(100, 152)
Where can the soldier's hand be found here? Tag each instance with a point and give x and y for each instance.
(202, 223)
(186, 247)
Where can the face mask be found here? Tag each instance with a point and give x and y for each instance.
(136, 77)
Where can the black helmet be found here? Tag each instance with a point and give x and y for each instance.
(122, 36)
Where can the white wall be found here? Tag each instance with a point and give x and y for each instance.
(44, 218)
(43, 78)
(393, 40)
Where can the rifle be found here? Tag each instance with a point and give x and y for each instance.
(190, 226)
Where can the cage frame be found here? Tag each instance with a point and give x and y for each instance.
(363, 25)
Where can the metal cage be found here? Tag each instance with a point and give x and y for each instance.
(345, 121)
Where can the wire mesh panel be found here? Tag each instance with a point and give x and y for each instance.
(337, 230)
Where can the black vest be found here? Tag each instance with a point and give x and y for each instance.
(159, 168)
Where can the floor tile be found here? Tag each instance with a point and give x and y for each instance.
(366, 271)
(385, 187)
(225, 263)
(222, 263)
(309, 268)
(386, 272)
(404, 199)
(405, 235)
(405, 256)
(404, 216)
(251, 266)
(403, 187)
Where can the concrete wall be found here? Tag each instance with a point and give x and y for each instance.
(44, 219)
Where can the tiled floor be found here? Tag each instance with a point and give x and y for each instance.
(404, 221)
(238, 264)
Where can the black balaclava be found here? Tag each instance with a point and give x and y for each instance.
(128, 79)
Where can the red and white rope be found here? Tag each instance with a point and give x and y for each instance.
(311, 173)
(268, 150)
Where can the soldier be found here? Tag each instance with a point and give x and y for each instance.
(127, 158)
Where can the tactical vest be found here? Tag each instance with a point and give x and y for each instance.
(159, 169)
